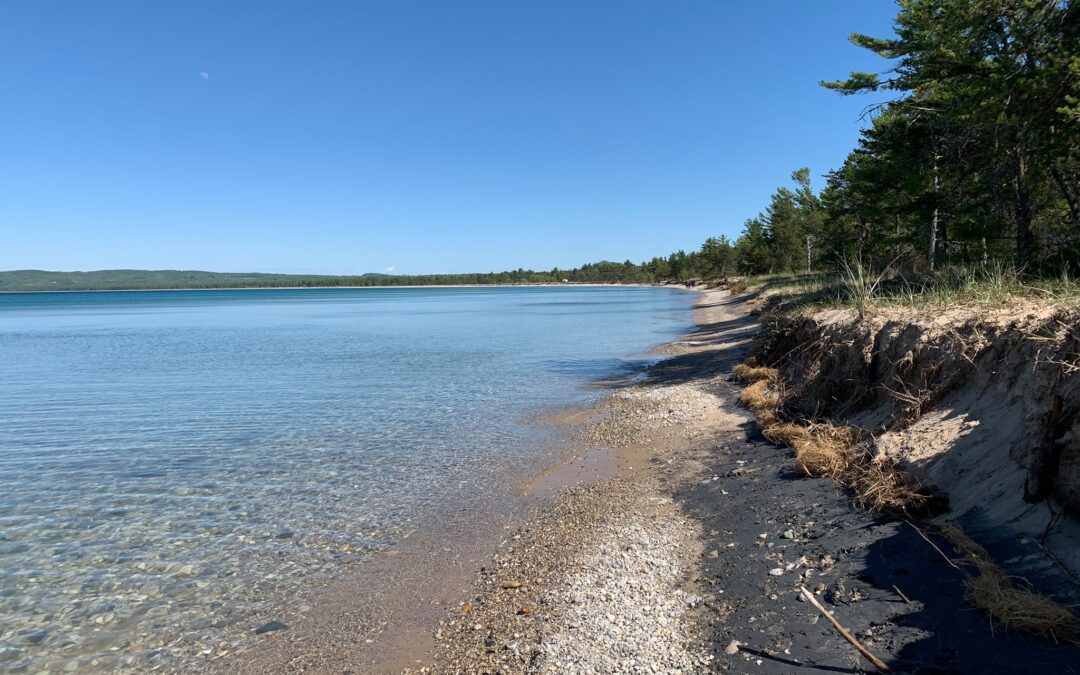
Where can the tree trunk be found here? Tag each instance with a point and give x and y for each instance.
(1074, 208)
(931, 252)
(1025, 239)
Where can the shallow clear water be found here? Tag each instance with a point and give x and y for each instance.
(171, 462)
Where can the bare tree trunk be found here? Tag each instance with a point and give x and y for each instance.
(1074, 207)
(1025, 240)
(808, 238)
(931, 252)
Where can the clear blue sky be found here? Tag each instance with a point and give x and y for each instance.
(437, 136)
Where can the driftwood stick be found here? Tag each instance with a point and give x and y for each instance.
(878, 663)
(901, 594)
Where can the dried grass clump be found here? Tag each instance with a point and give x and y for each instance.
(1010, 606)
(787, 434)
(833, 451)
(1022, 609)
(762, 399)
(820, 460)
(748, 373)
(828, 451)
(965, 545)
(880, 485)
(820, 449)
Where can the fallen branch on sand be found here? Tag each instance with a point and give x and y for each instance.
(878, 663)
(903, 597)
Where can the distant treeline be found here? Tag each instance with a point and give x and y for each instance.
(101, 280)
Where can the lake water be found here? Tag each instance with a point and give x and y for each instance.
(172, 463)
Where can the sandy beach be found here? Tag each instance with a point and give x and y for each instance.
(672, 540)
(688, 557)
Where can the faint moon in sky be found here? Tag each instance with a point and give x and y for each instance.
(204, 75)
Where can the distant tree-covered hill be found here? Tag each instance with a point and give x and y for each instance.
(40, 280)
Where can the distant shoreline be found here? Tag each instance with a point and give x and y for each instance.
(299, 288)
(36, 280)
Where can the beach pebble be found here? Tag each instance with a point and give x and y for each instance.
(270, 627)
(732, 648)
(789, 534)
(776, 571)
